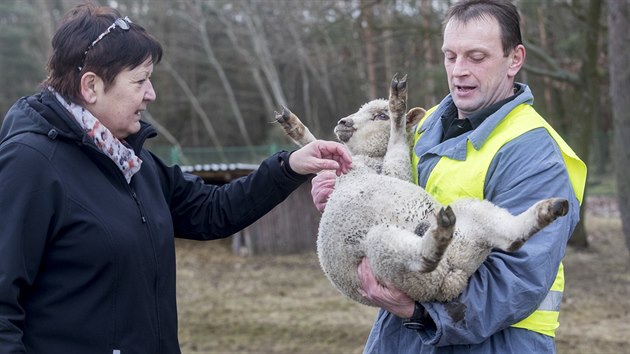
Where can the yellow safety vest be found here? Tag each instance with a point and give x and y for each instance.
(471, 176)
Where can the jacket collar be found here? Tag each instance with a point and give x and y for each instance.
(455, 148)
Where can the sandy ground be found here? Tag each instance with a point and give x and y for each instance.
(595, 313)
(230, 304)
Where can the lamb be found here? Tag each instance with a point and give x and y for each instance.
(410, 240)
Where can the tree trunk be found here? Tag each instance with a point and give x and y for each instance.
(619, 61)
(365, 22)
(428, 49)
(387, 9)
(545, 46)
(588, 92)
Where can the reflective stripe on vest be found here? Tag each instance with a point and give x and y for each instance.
(471, 176)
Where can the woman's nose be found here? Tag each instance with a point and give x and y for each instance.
(149, 94)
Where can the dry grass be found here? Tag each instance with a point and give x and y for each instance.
(284, 304)
(595, 314)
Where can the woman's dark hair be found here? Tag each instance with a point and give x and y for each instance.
(503, 11)
(115, 52)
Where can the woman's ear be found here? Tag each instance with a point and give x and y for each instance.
(90, 87)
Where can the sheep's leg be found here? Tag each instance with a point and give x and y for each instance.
(393, 251)
(397, 161)
(436, 241)
(505, 231)
(537, 217)
(294, 128)
(398, 109)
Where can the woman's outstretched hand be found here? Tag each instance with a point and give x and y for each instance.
(321, 155)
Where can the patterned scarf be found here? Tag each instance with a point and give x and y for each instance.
(123, 156)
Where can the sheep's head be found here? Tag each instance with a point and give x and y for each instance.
(366, 132)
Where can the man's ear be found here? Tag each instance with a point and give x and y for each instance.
(414, 116)
(91, 85)
(517, 58)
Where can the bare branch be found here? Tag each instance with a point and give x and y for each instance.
(194, 102)
(554, 71)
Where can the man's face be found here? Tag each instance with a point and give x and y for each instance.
(478, 72)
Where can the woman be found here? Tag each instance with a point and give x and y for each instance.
(87, 259)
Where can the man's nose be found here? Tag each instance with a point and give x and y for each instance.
(459, 68)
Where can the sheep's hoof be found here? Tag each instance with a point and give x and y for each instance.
(284, 116)
(551, 209)
(446, 227)
(446, 217)
(399, 84)
(560, 207)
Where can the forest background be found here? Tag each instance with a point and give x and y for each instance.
(228, 65)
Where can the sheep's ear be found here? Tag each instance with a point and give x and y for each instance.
(414, 116)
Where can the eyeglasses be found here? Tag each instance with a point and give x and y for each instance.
(122, 23)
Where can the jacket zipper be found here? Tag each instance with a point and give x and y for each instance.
(143, 218)
(135, 198)
(155, 261)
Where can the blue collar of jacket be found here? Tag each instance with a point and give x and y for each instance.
(455, 148)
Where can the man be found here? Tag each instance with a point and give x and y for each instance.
(484, 140)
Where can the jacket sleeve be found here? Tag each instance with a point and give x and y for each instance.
(30, 202)
(509, 286)
(203, 211)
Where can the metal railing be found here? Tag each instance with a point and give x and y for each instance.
(206, 155)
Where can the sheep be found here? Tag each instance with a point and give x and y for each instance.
(411, 241)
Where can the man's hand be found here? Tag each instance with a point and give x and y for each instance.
(321, 155)
(322, 186)
(383, 295)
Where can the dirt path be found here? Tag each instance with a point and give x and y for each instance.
(595, 313)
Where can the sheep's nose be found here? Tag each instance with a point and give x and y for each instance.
(346, 122)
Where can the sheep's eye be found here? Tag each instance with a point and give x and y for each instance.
(381, 116)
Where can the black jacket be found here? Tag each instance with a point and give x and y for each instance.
(87, 261)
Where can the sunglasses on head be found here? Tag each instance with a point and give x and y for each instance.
(122, 23)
